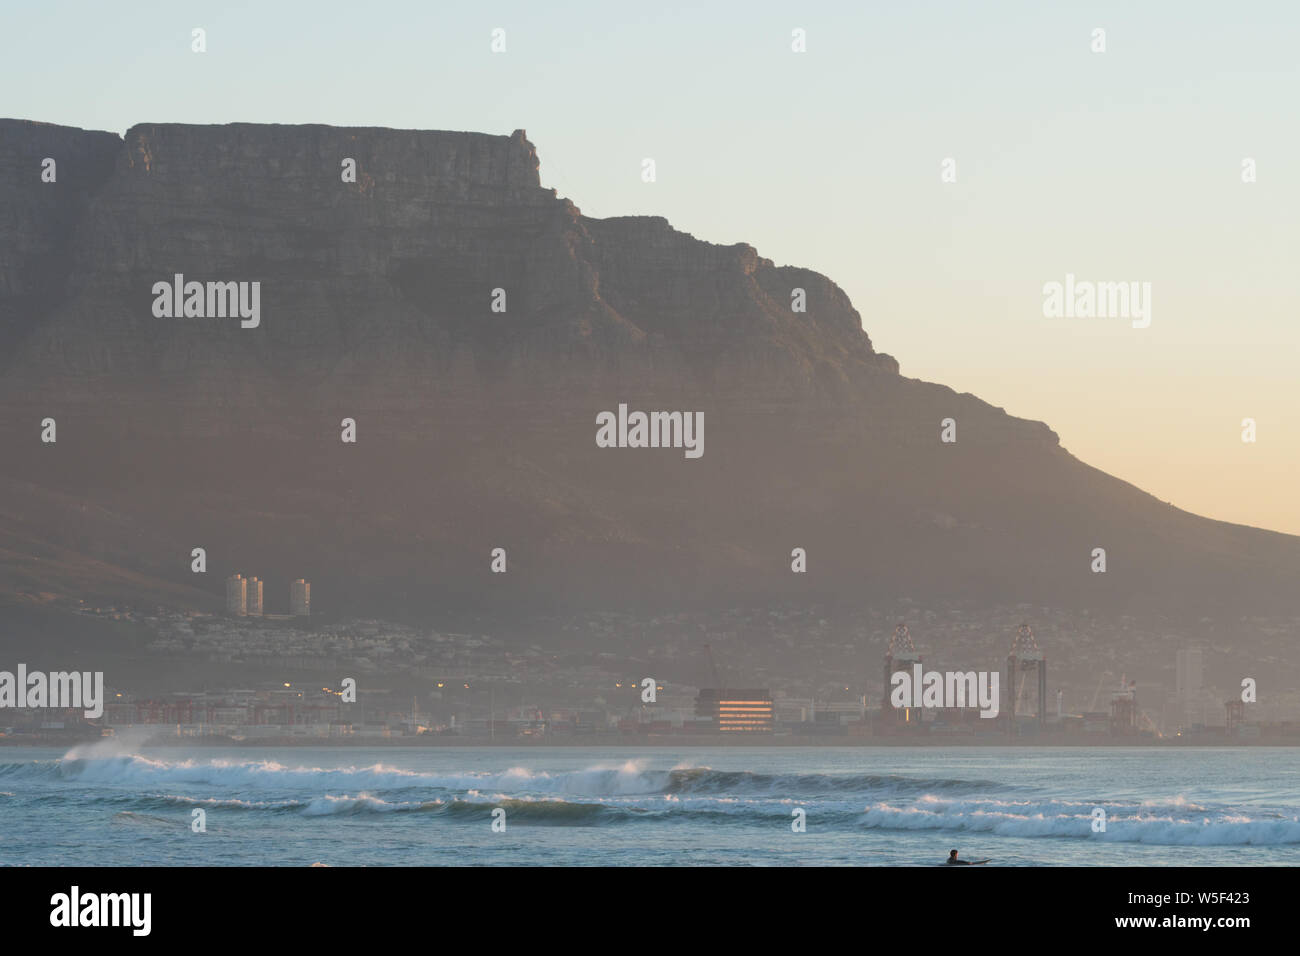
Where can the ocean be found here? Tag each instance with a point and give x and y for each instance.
(110, 804)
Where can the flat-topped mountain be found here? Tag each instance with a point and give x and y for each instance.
(390, 274)
(473, 324)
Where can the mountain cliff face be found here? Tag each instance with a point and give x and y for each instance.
(476, 426)
(392, 274)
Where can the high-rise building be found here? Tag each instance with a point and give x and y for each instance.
(236, 595)
(300, 598)
(253, 601)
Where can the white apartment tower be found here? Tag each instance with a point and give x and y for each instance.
(300, 598)
(253, 600)
(236, 595)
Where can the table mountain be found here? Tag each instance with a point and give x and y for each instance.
(476, 425)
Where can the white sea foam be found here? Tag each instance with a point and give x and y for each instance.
(1177, 825)
(875, 801)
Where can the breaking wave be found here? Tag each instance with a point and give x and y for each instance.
(628, 779)
(142, 791)
(1171, 823)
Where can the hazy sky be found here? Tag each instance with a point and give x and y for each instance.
(1114, 166)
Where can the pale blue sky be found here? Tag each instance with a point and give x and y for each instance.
(1114, 166)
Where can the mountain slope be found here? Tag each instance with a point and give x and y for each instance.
(476, 428)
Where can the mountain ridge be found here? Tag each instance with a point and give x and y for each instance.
(477, 427)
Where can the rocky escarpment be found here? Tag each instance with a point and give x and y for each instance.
(391, 275)
(40, 218)
(477, 426)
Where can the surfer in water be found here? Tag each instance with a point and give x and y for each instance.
(953, 861)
